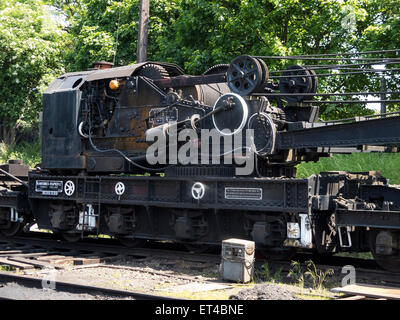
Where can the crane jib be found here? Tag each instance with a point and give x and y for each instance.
(381, 132)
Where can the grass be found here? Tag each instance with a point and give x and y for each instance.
(6, 268)
(358, 255)
(387, 163)
(30, 153)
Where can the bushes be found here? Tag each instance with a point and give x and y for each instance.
(30, 153)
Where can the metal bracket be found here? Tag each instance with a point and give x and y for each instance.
(14, 216)
(348, 229)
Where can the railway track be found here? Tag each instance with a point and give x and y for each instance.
(74, 288)
(367, 292)
(366, 271)
(31, 252)
(43, 252)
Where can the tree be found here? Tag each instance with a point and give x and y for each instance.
(31, 49)
(197, 34)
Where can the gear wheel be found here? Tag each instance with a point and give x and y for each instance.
(218, 68)
(153, 71)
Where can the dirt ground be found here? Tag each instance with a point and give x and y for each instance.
(168, 277)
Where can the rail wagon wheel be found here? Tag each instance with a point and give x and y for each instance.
(132, 242)
(275, 254)
(69, 236)
(198, 248)
(296, 80)
(244, 75)
(388, 262)
(14, 229)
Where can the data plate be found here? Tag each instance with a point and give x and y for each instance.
(243, 193)
(49, 187)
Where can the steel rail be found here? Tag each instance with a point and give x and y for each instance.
(99, 245)
(366, 269)
(76, 288)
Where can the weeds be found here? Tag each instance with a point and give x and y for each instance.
(296, 273)
(266, 272)
(6, 268)
(268, 276)
(311, 275)
(318, 276)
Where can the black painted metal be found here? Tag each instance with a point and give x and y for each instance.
(384, 131)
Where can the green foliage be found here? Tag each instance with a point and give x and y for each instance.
(197, 34)
(266, 275)
(386, 163)
(31, 49)
(296, 273)
(37, 44)
(29, 153)
(309, 274)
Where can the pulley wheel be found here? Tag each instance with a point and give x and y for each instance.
(244, 75)
(232, 115)
(295, 81)
(265, 75)
(388, 262)
(314, 81)
(263, 138)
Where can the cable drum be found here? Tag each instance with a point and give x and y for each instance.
(230, 114)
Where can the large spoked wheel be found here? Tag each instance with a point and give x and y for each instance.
(14, 229)
(295, 81)
(388, 262)
(244, 75)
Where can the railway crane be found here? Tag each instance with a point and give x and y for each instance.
(98, 175)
